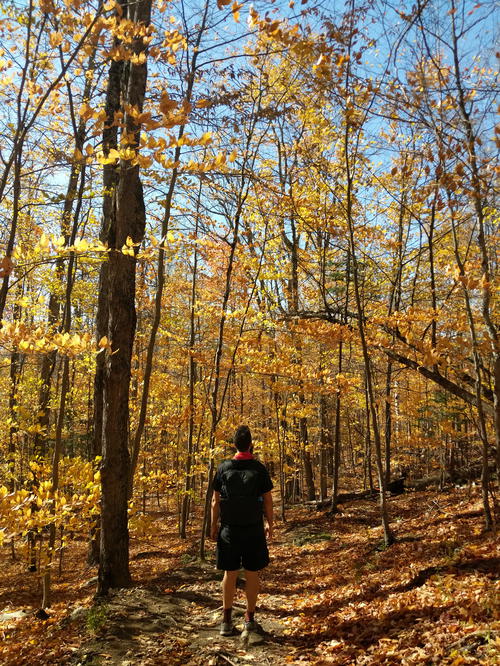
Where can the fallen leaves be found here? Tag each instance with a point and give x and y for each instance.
(337, 601)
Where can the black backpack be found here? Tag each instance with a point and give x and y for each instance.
(241, 492)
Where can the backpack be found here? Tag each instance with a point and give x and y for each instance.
(241, 492)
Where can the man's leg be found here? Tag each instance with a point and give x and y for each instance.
(251, 593)
(228, 592)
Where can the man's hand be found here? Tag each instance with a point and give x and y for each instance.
(214, 525)
(268, 514)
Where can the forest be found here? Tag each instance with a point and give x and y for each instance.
(282, 214)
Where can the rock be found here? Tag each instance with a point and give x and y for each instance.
(78, 614)
(250, 638)
(12, 615)
(90, 583)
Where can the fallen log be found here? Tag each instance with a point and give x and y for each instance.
(342, 497)
(457, 476)
(395, 487)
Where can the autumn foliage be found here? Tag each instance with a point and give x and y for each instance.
(282, 214)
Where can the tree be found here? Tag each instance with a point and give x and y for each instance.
(125, 230)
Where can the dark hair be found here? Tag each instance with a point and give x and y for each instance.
(242, 438)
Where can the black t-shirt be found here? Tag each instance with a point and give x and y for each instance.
(241, 484)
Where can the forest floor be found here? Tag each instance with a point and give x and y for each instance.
(332, 595)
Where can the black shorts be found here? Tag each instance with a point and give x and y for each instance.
(242, 546)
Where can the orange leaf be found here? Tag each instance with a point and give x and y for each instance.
(6, 267)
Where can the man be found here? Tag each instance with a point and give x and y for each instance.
(242, 497)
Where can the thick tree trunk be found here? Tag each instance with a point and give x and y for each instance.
(115, 469)
(127, 220)
(109, 181)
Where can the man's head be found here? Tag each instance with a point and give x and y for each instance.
(243, 438)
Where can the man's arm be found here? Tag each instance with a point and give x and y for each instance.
(268, 513)
(215, 515)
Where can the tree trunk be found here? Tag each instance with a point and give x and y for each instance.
(481, 420)
(324, 441)
(215, 410)
(16, 364)
(350, 163)
(110, 181)
(306, 456)
(192, 380)
(479, 202)
(338, 399)
(127, 220)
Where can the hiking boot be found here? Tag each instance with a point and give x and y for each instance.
(226, 629)
(254, 627)
(252, 634)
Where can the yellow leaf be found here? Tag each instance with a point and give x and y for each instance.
(126, 154)
(55, 39)
(206, 138)
(81, 245)
(236, 11)
(220, 159)
(112, 156)
(86, 111)
(128, 251)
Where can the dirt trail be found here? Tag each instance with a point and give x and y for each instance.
(142, 626)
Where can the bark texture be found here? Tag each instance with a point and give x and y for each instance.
(126, 218)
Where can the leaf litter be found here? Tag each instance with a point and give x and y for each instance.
(330, 596)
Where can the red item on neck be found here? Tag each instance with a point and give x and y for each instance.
(243, 455)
